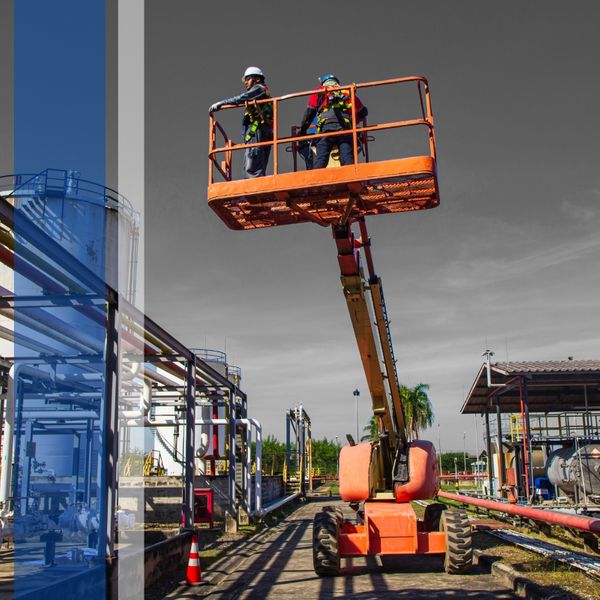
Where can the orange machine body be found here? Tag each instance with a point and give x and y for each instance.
(389, 528)
(356, 473)
(390, 524)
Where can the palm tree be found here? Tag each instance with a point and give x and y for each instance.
(417, 408)
(371, 430)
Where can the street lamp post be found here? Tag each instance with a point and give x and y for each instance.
(356, 394)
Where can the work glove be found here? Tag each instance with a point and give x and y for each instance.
(214, 107)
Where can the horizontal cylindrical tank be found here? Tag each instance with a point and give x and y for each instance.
(575, 470)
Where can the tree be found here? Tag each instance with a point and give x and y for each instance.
(448, 465)
(273, 455)
(325, 455)
(417, 408)
(371, 430)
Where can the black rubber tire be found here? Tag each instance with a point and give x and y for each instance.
(326, 555)
(459, 542)
(432, 516)
(337, 511)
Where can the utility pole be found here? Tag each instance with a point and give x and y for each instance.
(465, 452)
(356, 394)
(337, 464)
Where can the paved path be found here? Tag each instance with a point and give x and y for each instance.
(280, 566)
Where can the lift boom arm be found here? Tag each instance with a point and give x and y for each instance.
(391, 422)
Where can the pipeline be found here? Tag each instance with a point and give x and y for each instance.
(535, 514)
(145, 402)
(279, 503)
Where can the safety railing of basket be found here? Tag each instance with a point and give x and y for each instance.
(224, 167)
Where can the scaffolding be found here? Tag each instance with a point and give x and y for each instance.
(297, 469)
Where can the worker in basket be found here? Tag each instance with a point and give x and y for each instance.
(257, 124)
(333, 109)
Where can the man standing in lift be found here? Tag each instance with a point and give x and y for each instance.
(257, 124)
(333, 109)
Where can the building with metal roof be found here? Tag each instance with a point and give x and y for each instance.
(540, 411)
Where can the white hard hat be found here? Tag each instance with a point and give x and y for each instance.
(253, 72)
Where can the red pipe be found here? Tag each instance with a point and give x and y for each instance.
(536, 514)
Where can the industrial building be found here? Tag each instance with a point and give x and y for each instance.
(542, 430)
(96, 397)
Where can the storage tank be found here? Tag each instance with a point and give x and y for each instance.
(575, 471)
(94, 223)
(99, 228)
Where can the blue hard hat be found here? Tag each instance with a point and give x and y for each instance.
(328, 77)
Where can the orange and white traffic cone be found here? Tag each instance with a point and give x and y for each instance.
(194, 573)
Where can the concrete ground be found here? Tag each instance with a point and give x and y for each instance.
(279, 565)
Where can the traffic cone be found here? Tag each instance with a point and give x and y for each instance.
(194, 573)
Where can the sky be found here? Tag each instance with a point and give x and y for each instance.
(508, 261)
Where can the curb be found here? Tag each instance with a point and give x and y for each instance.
(513, 579)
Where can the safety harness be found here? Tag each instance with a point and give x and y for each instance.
(257, 115)
(339, 102)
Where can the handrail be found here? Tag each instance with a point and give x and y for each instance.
(355, 131)
(50, 178)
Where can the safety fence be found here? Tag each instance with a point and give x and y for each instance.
(220, 157)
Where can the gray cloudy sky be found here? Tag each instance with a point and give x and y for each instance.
(508, 261)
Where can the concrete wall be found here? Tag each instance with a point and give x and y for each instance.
(163, 495)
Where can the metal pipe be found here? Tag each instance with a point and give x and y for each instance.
(488, 354)
(60, 414)
(27, 342)
(279, 503)
(40, 321)
(536, 514)
(145, 402)
(202, 435)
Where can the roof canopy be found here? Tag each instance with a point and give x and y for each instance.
(552, 386)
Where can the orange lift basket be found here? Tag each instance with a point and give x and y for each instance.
(330, 195)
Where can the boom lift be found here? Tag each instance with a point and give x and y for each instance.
(378, 478)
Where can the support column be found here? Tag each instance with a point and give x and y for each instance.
(301, 453)
(502, 473)
(231, 524)
(525, 438)
(529, 449)
(287, 442)
(110, 430)
(489, 452)
(190, 445)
